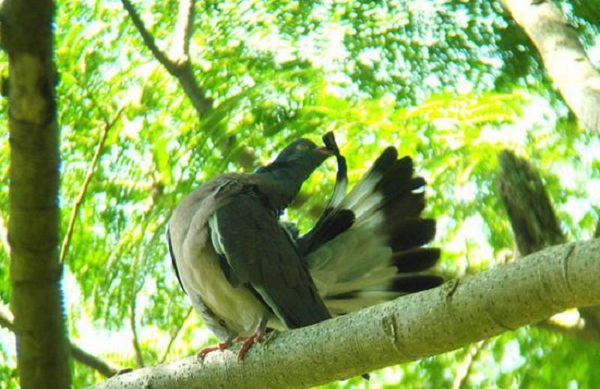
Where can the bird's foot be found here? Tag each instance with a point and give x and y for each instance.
(219, 347)
(247, 342)
(257, 337)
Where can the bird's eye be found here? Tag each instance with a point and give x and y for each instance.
(302, 147)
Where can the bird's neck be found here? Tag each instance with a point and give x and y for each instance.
(283, 185)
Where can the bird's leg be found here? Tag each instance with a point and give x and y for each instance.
(257, 336)
(220, 347)
(247, 342)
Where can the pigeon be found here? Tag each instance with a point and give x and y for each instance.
(246, 271)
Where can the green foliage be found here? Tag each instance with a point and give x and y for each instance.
(451, 83)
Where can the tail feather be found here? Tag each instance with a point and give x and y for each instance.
(416, 260)
(374, 251)
(393, 183)
(365, 188)
(411, 233)
(416, 283)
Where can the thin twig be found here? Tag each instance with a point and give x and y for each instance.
(86, 182)
(139, 359)
(135, 274)
(175, 334)
(462, 374)
(183, 32)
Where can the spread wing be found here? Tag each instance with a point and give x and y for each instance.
(258, 252)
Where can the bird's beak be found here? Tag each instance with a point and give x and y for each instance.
(325, 151)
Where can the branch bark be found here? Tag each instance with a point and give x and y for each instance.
(560, 49)
(35, 270)
(439, 320)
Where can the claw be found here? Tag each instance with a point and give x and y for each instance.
(257, 337)
(247, 342)
(219, 347)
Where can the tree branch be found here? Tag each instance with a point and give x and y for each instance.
(463, 371)
(147, 37)
(139, 358)
(560, 49)
(94, 362)
(409, 328)
(534, 223)
(174, 335)
(77, 353)
(86, 182)
(183, 31)
(180, 67)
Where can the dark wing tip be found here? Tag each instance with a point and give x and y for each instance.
(412, 233)
(416, 260)
(386, 160)
(416, 283)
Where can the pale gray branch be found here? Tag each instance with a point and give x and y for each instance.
(454, 315)
(564, 57)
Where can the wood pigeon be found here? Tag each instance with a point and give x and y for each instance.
(245, 271)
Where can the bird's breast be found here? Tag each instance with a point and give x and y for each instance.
(236, 307)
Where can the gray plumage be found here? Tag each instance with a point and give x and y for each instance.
(239, 266)
(243, 269)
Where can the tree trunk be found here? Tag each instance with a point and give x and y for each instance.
(42, 341)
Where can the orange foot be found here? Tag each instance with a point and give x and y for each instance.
(247, 342)
(257, 337)
(220, 347)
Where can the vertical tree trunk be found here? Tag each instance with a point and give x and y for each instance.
(42, 341)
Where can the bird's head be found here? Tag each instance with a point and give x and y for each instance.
(301, 157)
(293, 166)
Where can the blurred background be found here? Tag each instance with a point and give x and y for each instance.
(146, 118)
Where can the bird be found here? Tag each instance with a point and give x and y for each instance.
(247, 272)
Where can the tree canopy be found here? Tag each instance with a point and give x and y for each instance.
(154, 98)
